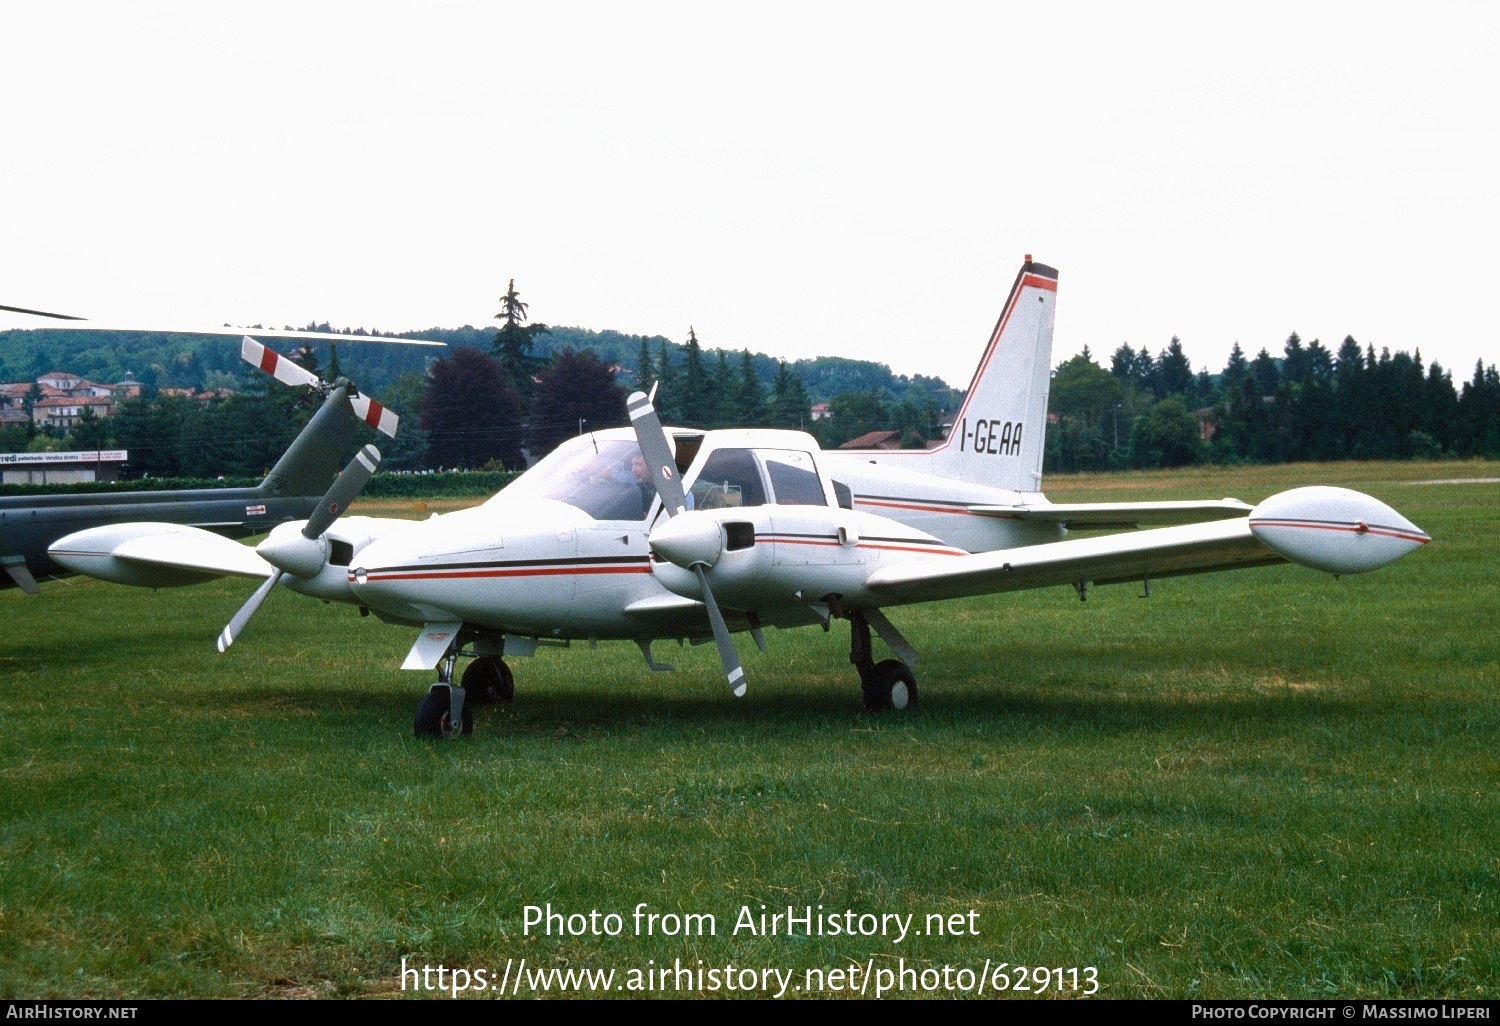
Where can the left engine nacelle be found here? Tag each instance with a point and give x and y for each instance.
(106, 553)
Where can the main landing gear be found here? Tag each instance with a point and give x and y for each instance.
(485, 681)
(888, 684)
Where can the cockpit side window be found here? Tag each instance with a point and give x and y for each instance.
(729, 478)
(794, 480)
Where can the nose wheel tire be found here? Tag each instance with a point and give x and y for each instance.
(434, 715)
(488, 680)
(889, 685)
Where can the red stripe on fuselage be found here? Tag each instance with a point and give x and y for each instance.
(268, 359)
(553, 571)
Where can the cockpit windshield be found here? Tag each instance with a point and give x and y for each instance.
(606, 478)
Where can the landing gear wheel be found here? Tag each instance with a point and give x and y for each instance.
(433, 719)
(488, 680)
(889, 685)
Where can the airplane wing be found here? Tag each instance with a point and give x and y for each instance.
(1163, 552)
(1102, 515)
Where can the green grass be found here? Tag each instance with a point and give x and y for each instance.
(1267, 783)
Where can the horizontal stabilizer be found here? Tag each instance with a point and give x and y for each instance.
(1102, 515)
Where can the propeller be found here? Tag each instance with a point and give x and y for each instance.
(658, 454)
(289, 373)
(303, 553)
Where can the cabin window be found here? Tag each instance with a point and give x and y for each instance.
(794, 477)
(730, 479)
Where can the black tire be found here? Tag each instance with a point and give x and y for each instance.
(488, 680)
(432, 719)
(889, 685)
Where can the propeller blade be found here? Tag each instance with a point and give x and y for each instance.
(237, 625)
(727, 655)
(373, 414)
(658, 452)
(345, 488)
(276, 365)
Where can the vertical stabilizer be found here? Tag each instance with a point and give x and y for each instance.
(999, 434)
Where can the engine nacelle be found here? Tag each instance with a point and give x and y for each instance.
(101, 552)
(1337, 530)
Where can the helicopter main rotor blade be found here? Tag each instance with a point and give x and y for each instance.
(279, 367)
(727, 655)
(237, 624)
(345, 488)
(41, 313)
(657, 451)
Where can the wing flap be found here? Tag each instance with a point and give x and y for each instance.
(1162, 552)
(1102, 515)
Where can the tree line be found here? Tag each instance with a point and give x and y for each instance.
(501, 394)
(1310, 403)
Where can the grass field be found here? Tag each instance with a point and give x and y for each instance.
(1266, 783)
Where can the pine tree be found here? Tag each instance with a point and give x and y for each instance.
(644, 373)
(721, 394)
(750, 395)
(695, 401)
(1236, 369)
(1174, 372)
(788, 400)
(512, 344)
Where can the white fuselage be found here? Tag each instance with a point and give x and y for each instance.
(527, 565)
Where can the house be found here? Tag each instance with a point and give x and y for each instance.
(875, 440)
(820, 411)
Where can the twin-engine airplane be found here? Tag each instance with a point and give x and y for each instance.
(645, 533)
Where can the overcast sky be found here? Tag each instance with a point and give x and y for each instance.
(802, 179)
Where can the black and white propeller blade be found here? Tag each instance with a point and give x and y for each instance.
(237, 623)
(658, 453)
(304, 553)
(289, 373)
(346, 487)
(727, 655)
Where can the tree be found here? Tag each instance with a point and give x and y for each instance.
(1236, 369)
(1174, 372)
(576, 386)
(470, 412)
(788, 399)
(1264, 371)
(750, 395)
(645, 374)
(512, 344)
(695, 400)
(1166, 437)
(408, 450)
